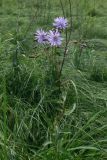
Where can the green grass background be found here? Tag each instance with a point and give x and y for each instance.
(33, 124)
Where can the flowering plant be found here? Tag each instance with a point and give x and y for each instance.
(53, 38)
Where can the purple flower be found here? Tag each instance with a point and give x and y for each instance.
(41, 36)
(60, 23)
(54, 38)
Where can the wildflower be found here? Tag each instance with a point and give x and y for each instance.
(41, 36)
(60, 23)
(54, 38)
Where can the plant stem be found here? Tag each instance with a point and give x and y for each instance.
(67, 38)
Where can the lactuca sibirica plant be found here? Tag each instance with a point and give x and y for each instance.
(53, 40)
(60, 23)
(52, 37)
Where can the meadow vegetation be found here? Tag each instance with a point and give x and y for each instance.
(39, 121)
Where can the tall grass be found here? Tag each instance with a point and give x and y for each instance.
(35, 122)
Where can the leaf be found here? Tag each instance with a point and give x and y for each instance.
(47, 143)
(70, 111)
(83, 147)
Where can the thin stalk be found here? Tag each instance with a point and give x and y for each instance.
(67, 38)
(62, 8)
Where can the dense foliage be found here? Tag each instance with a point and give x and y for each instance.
(53, 96)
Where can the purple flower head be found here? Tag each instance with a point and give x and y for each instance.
(60, 23)
(41, 36)
(54, 38)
